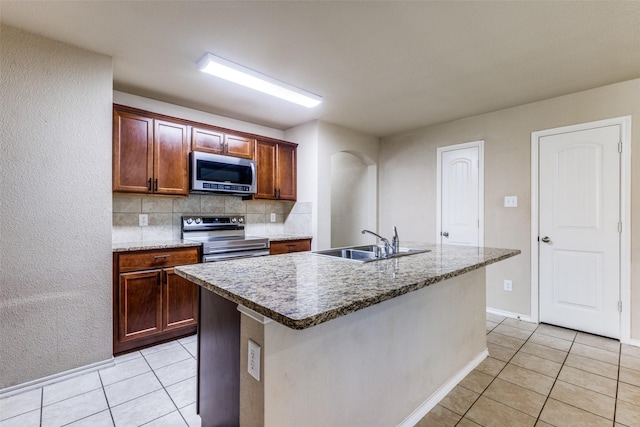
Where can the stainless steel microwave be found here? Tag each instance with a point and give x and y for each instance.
(222, 174)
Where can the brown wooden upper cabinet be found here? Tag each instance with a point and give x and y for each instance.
(276, 163)
(150, 155)
(213, 141)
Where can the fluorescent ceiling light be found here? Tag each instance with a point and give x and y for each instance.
(228, 70)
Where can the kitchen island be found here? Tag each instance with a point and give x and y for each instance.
(341, 342)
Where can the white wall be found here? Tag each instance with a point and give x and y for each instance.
(333, 139)
(306, 136)
(352, 207)
(408, 180)
(55, 222)
(318, 142)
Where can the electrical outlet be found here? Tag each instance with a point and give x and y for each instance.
(273, 217)
(143, 220)
(510, 201)
(508, 286)
(253, 365)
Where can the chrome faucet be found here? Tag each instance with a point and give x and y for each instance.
(389, 248)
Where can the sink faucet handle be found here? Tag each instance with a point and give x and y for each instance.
(395, 241)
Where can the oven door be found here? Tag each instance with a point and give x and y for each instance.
(223, 174)
(234, 255)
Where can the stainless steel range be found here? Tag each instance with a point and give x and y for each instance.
(223, 237)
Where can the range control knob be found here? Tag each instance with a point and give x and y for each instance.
(233, 220)
(189, 220)
(198, 220)
(241, 220)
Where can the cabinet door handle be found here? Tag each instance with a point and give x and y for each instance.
(278, 196)
(149, 184)
(156, 184)
(222, 147)
(161, 256)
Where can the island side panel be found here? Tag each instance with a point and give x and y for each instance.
(251, 390)
(378, 365)
(218, 361)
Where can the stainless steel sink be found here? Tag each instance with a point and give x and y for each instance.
(349, 254)
(367, 253)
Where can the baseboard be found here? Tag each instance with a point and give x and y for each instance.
(509, 314)
(56, 378)
(635, 343)
(436, 397)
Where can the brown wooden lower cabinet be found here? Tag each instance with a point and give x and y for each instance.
(139, 304)
(180, 298)
(289, 246)
(151, 303)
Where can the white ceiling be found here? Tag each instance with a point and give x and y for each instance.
(382, 66)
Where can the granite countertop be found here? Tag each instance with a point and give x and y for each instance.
(160, 244)
(304, 289)
(171, 244)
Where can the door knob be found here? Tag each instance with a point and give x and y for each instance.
(546, 239)
(445, 233)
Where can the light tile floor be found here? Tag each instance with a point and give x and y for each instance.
(154, 387)
(534, 376)
(542, 375)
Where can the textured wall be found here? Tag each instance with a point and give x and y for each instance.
(55, 195)
(408, 172)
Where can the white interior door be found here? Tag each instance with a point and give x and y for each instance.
(460, 195)
(579, 237)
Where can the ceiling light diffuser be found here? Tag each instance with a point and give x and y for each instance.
(235, 73)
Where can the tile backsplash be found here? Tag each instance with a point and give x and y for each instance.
(165, 215)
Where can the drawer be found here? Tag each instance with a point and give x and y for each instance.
(157, 259)
(288, 246)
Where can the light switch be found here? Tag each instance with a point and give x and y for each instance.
(143, 220)
(510, 201)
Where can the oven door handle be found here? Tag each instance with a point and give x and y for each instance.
(245, 249)
(236, 255)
